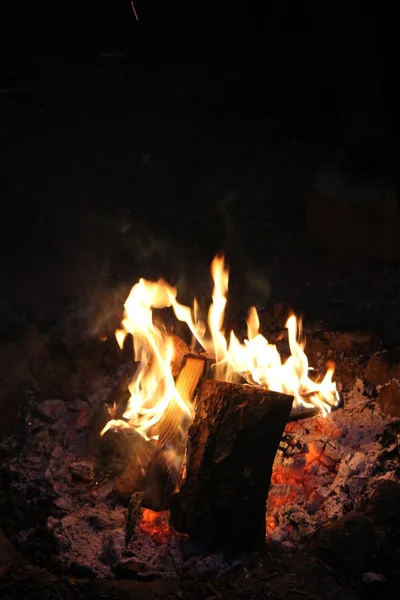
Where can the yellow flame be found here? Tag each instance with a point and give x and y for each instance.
(255, 360)
(153, 386)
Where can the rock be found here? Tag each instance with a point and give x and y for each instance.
(318, 353)
(389, 399)
(358, 341)
(381, 368)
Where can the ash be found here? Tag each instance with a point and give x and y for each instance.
(62, 510)
(326, 467)
(58, 502)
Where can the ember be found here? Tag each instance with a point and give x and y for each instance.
(156, 524)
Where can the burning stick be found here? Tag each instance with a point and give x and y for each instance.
(232, 445)
(166, 468)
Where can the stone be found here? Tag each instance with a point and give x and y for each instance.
(318, 353)
(389, 399)
(346, 372)
(356, 341)
(381, 368)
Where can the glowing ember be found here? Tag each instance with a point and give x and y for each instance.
(255, 360)
(156, 524)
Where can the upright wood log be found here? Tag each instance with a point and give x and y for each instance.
(232, 444)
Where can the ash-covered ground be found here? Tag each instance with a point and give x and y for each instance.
(59, 506)
(328, 467)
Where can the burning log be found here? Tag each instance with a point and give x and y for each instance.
(133, 477)
(117, 399)
(232, 445)
(166, 468)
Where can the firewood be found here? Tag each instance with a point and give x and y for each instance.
(166, 467)
(232, 444)
(133, 478)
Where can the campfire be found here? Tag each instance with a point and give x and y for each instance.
(248, 391)
(193, 447)
(254, 360)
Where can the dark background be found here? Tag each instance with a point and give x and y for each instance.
(275, 50)
(204, 133)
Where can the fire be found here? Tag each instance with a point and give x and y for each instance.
(153, 387)
(254, 360)
(156, 524)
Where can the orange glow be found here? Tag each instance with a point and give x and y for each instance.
(156, 524)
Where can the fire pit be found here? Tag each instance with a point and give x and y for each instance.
(171, 457)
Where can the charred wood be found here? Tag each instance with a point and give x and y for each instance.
(232, 444)
(126, 455)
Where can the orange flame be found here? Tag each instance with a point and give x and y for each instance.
(255, 360)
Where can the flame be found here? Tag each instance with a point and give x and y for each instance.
(254, 360)
(153, 386)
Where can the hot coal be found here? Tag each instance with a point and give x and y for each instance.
(327, 467)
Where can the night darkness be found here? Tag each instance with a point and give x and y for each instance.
(148, 145)
(143, 146)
